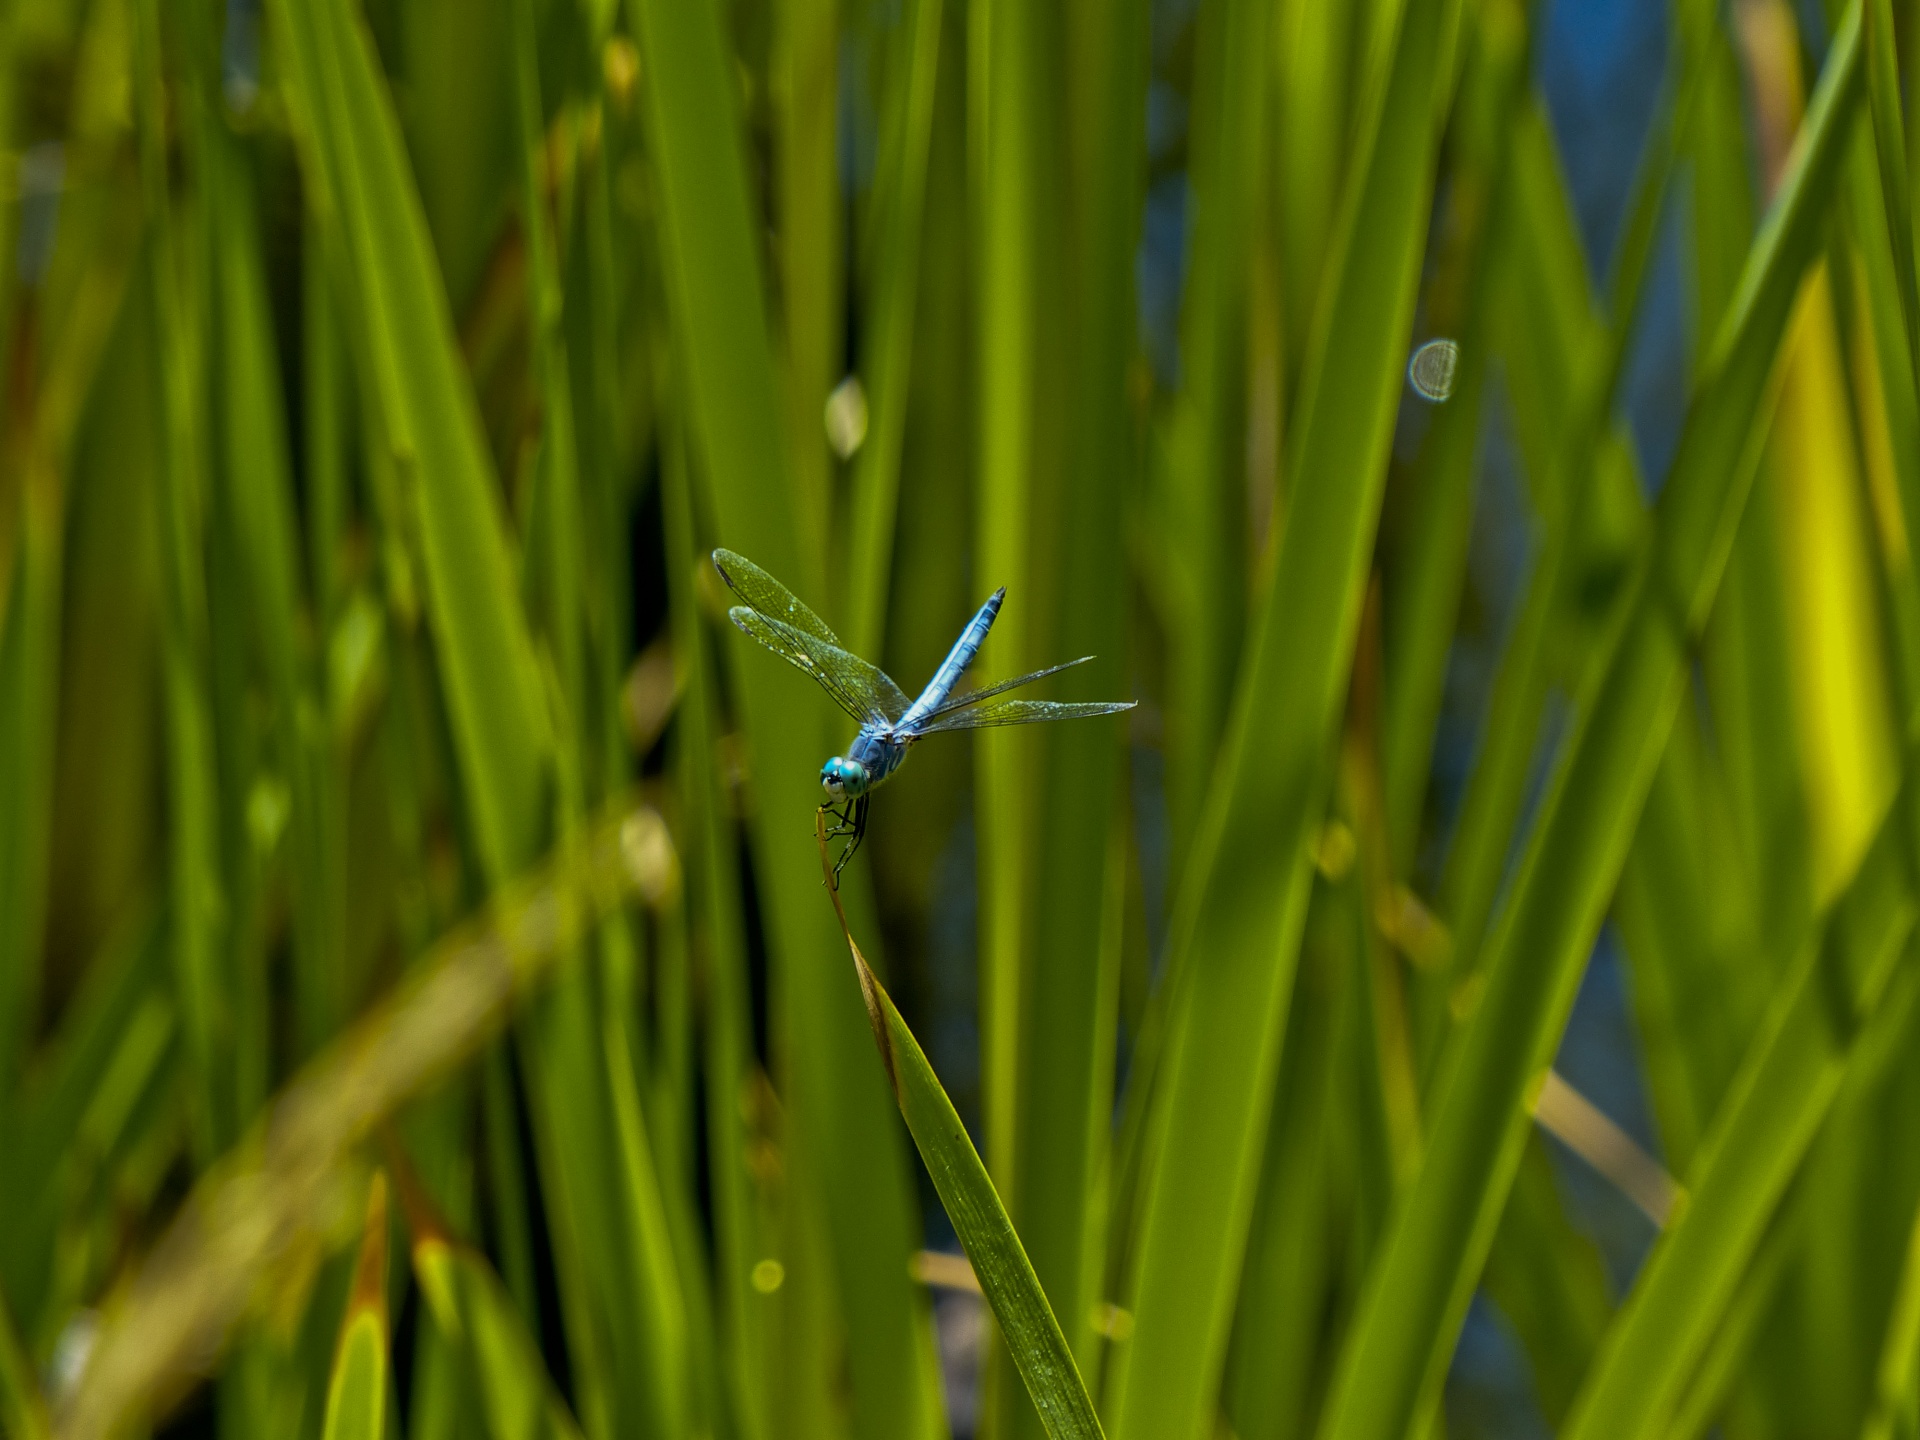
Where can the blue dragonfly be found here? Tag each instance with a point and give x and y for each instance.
(889, 723)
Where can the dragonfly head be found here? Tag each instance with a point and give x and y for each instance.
(844, 779)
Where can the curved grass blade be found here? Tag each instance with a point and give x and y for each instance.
(1027, 1324)
(1417, 1295)
(357, 1391)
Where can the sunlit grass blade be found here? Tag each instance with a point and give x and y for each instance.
(357, 1389)
(1418, 1292)
(1239, 916)
(1027, 1322)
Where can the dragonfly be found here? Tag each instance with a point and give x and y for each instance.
(890, 724)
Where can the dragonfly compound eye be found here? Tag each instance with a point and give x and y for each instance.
(844, 779)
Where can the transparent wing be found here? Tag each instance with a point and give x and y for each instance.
(1021, 712)
(762, 592)
(858, 688)
(960, 702)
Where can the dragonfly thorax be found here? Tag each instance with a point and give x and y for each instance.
(844, 779)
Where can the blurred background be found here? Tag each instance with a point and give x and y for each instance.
(1471, 994)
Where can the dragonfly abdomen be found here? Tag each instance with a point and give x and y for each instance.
(955, 665)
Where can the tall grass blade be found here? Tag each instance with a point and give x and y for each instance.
(729, 405)
(1417, 1294)
(429, 428)
(1238, 923)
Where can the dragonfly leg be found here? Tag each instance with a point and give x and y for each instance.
(857, 827)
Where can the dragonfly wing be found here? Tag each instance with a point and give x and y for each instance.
(862, 690)
(767, 595)
(960, 702)
(1021, 712)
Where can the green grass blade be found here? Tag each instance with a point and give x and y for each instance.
(1239, 917)
(430, 428)
(1425, 550)
(805, 76)
(520, 1400)
(1027, 1322)
(729, 403)
(1889, 410)
(23, 1410)
(1291, 1266)
(1753, 1303)
(1198, 486)
(1021, 171)
(1418, 1292)
(891, 285)
(1785, 1090)
(714, 888)
(198, 911)
(1894, 1393)
(1548, 1280)
(357, 1389)
(1690, 929)
(1584, 487)
(1883, 104)
(255, 496)
(29, 674)
(1065, 1099)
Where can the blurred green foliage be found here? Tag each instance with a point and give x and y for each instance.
(380, 784)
